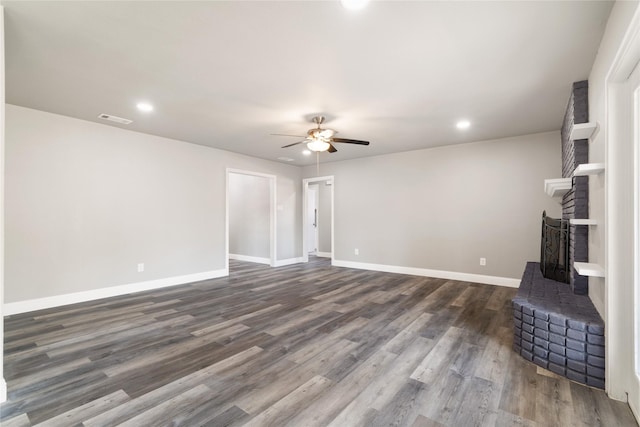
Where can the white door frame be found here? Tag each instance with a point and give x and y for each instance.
(305, 224)
(3, 383)
(272, 213)
(622, 270)
(635, 403)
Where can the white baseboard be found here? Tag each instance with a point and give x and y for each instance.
(111, 291)
(288, 261)
(3, 390)
(323, 254)
(440, 274)
(248, 258)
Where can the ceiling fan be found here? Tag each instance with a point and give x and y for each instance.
(319, 139)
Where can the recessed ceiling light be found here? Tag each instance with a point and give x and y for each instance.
(285, 159)
(306, 152)
(144, 107)
(354, 4)
(463, 124)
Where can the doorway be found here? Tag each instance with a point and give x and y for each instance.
(318, 217)
(250, 217)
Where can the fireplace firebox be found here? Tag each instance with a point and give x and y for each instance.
(554, 249)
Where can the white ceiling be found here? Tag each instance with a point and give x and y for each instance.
(227, 74)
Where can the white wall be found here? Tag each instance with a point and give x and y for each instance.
(3, 383)
(249, 214)
(611, 198)
(85, 203)
(444, 208)
(619, 19)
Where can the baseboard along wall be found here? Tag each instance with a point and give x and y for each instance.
(111, 291)
(247, 258)
(77, 297)
(439, 274)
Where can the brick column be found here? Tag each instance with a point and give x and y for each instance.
(575, 203)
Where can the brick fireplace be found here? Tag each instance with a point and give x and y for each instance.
(556, 325)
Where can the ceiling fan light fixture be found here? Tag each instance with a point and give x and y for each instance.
(318, 145)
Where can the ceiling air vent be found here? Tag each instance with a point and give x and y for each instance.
(115, 119)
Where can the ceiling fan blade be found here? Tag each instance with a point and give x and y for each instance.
(295, 143)
(286, 134)
(332, 149)
(350, 141)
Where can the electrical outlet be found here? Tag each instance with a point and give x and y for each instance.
(483, 261)
(356, 251)
(140, 267)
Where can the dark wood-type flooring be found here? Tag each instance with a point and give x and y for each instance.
(303, 345)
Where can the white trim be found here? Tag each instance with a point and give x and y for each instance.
(634, 404)
(273, 212)
(583, 221)
(590, 269)
(620, 383)
(324, 254)
(111, 291)
(582, 130)
(557, 187)
(3, 384)
(259, 260)
(439, 274)
(288, 261)
(586, 169)
(329, 179)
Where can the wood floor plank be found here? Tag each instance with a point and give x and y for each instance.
(278, 413)
(301, 345)
(80, 413)
(333, 406)
(553, 402)
(147, 401)
(21, 420)
(391, 381)
(172, 411)
(223, 325)
(269, 393)
(422, 421)
(439, 358)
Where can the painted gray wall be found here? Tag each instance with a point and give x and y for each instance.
(444, 208)
(85, 203)
(324, 217)
(249, 214)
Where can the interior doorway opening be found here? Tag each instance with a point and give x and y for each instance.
(250, 217)
(318, 217)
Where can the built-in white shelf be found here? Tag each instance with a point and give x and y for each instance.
(582, 130)
(557, 187)
(589, 269)
(589, 169)
(583, 222)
